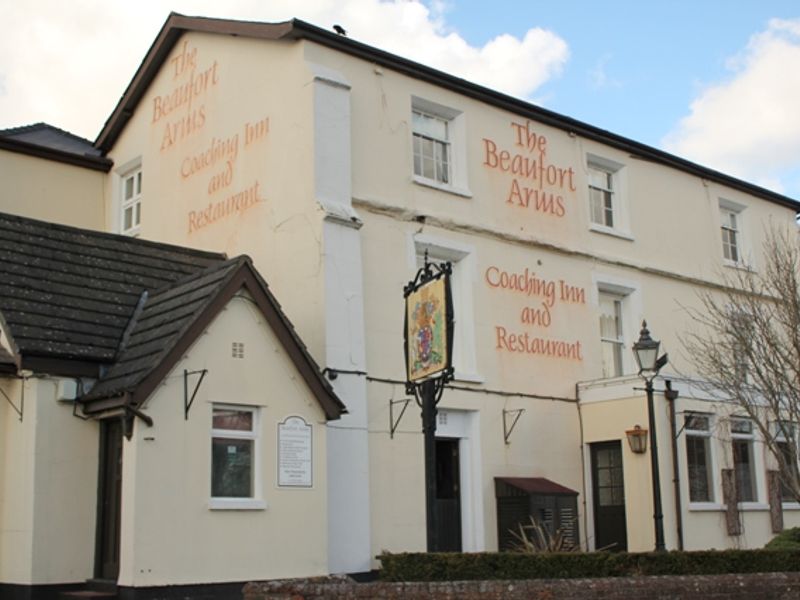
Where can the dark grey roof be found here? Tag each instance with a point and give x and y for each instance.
(50, 143)
(43, 134)
(122, 310)
(157, 325)
(67, 294)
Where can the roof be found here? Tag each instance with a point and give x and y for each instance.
(45, 141)
(176, 25)
(48, 136)
(82, 303)
(534, 485)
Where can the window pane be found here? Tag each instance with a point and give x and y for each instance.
(698, 466)
(236, 420)
(743, 468)
(696, 422)
(231, 468)
(138, 183)
(741, 426)
(127, 218)
(129, 188)
(430, 126)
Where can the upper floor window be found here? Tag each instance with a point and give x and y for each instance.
(731, 217)
(438, 146)
(601, 196)
(431, 147)
(607, 203)
(611, 335)
(131, 202)
(730, 235)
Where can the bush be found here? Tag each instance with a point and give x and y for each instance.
(786, 540)
(509, 565)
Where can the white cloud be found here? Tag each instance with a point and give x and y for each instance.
(749, 125)
(67, 63)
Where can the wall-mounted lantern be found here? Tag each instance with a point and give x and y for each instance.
(637, 439)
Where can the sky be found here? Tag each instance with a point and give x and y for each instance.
(714, 81)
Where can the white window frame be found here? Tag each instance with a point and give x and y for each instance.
(132, 203)
(255, 501)
(456, 143)
(706, 436)
(733, 210)
(630, 295)
(462, 256)
(620, 220)
(755, 474)
(617, 343)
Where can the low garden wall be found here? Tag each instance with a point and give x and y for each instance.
(751, 586)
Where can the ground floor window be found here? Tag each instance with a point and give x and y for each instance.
(743, 463)
(233, 452)
(698, 457)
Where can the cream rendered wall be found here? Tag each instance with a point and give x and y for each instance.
(244, 85)
(51, 191)
(670, 249)
(18, 444)
(49, 489)
(169, 533)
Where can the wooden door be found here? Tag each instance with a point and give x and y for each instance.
(109, 500)
(448, 496)
(608, 491)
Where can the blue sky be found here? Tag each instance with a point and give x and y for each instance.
(714, 81)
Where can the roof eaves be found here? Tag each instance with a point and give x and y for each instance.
(95, 163)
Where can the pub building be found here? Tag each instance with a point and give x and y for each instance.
(202, 322)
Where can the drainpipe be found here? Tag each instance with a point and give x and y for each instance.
(583, 467)
(672, 395)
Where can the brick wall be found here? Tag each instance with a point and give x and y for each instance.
(756, 586)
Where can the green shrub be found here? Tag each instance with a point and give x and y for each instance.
(511, 565)
(786, 540)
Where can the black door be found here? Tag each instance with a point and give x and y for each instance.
(109, 500)
(448, 497)
(608, 490)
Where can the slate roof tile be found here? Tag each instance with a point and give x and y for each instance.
(69, 294)
(123, 306)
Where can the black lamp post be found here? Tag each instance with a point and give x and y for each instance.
(646, 352)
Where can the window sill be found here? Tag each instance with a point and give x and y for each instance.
(618, 233)
(236, 504)
(706, 506)
(790, 505)
(747, 506)
(737, 265)
(443, 187)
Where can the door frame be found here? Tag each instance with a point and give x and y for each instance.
(591, 492)
(109, 499)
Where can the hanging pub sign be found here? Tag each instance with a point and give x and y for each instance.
(429, 323)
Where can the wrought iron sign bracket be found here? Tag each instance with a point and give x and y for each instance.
(392, 423)
(21, 408)
(187, 402)
(507, 429)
